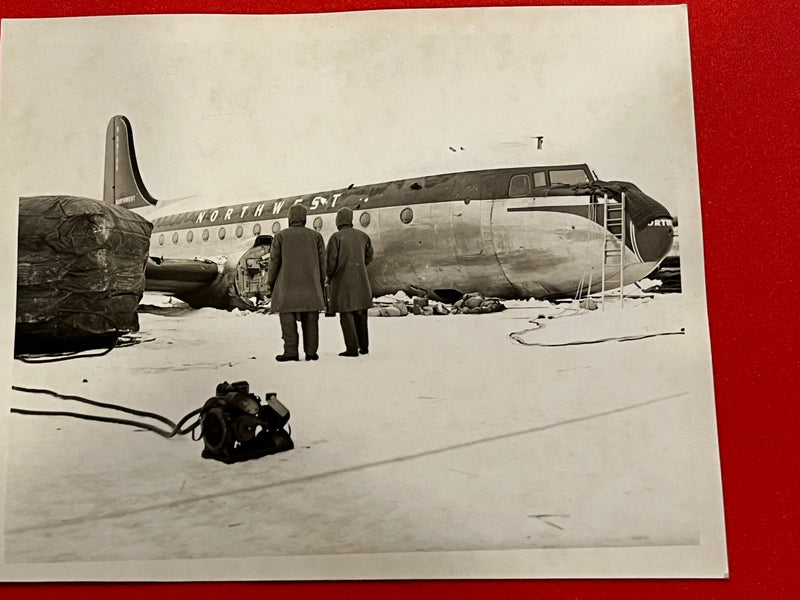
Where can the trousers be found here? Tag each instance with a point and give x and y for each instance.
(354, 330)
(309, 322)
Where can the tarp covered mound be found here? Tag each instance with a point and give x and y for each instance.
(80, 273)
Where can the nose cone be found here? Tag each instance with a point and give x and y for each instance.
(654, 241)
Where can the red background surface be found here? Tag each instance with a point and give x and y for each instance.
(746, 67)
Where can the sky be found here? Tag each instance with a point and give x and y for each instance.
(227, 109)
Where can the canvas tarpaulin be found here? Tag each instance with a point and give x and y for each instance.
(80, 272)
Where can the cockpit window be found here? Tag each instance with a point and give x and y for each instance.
(539, 179)
(568, 176)
(520, 185)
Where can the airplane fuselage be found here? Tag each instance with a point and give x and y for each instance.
(513, 233)
(516, 232)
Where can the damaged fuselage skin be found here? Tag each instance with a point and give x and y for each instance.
(520, 232)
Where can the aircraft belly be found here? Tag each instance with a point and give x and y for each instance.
(635, 272)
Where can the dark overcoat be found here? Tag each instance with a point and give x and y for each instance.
(348, 254)
(297, 266)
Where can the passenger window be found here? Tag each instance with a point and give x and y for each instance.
(189, 236)
(205, 235)
(175, 237)
(520, 186)
(406, 215)
(257, 229)
(364, 219)
(161, 240)
(276, 227)
(317, 223)
(239, 231)
(221, 233)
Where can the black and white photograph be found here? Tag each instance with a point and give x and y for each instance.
(397, 294)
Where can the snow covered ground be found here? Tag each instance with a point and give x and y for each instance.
(449, 436)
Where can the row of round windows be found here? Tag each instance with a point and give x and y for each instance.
(406, 215)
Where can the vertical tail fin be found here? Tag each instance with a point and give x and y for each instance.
(123, 184)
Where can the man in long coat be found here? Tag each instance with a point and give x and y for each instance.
(348, 254)
(296, 277)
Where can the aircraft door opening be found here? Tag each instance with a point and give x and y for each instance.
(467, 227)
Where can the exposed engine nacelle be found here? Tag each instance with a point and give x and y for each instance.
(238, 282)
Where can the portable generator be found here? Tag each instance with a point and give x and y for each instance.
(237, 426)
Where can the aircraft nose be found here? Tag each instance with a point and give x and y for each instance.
(654, 241)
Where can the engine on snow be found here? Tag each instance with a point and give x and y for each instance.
(237, 426)
(238, 280)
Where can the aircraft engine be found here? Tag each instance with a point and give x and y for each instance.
(240, 281)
